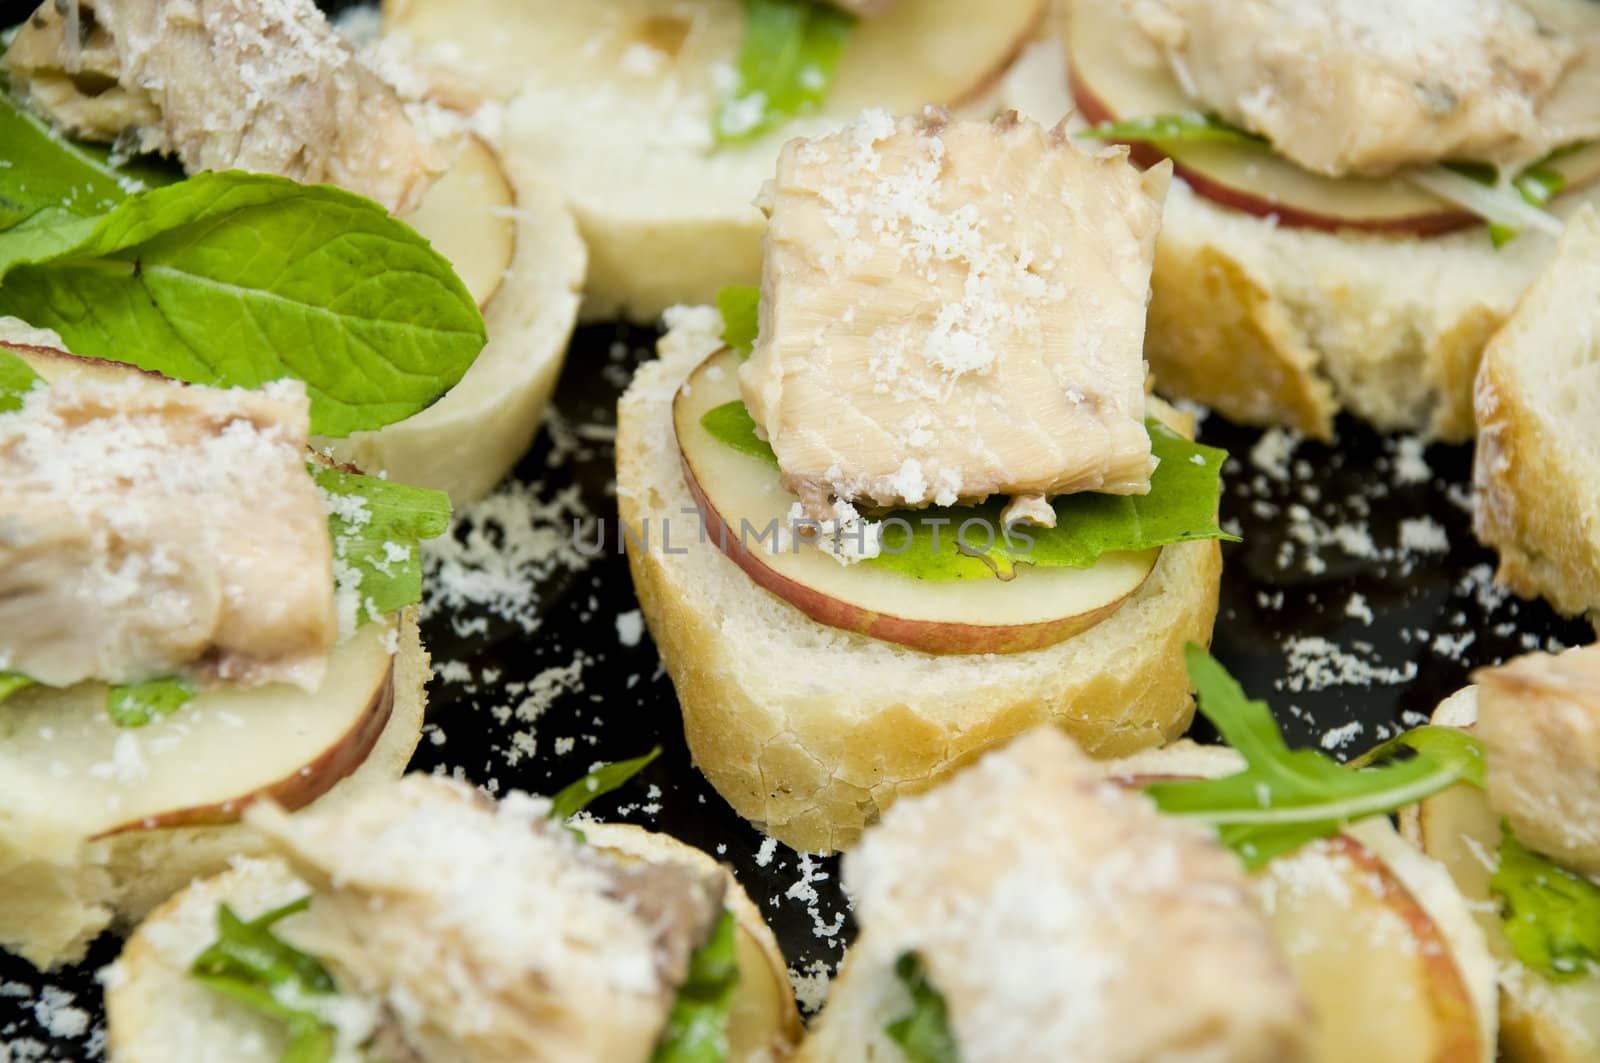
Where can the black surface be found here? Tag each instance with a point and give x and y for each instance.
(1424, 604)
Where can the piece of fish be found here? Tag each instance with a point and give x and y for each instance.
(952, 310)
(150, 529)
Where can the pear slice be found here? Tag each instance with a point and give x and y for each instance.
(1116, 76)
(740, 498)
(467, 215)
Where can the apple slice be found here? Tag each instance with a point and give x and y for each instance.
(70, 772)
(1115, 75)
(467, 215)
(739, 493)
(1377, 970)
(919, 52)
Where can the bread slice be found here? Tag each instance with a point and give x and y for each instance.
(1269, 324)
(57, 892)
(471, 438)
(810, 731)
(153, 1005)
(617, 102)
(1541, 1021)
(1538, 411)
(866, 996)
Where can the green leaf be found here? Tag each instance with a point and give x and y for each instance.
(376, 525)
(1285, 798)
(235, 280)
(1193, 128)
(929, 543)
(1538, 185)
(786, 63)
(17, 378)
(697, 1028)
(42, 170)
(732, 424)
(136, 704)
(739, 305)
(575, 797)
(250, 964)
(1445, 743)
(11, 682)
(1550, 915)
(924, 1035)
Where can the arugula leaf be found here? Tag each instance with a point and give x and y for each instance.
(697, 1028)
(1192, 128)
(250, 964)
(136, 704)
(1550, 914)
(1285, 798)
(786, 63)
(11, 682)
(924, 1035)
(929, 544)
(17, 378)
(376, 525)
(739, 305)
(235, 279)
(575, 797)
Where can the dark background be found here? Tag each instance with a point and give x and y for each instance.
(1323, 549)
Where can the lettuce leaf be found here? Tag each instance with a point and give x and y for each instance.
(250, 964)
(940, 543)
(136, 704)
(739, 305)
(1285, 798)
(1551, 915)
(786, 64)
(924, 1034)
(233, 279)
(697, 1028)
(576, 796)
(376, 525)
(43, 170)
(1192, 128)
(11, 682)
(17, 378)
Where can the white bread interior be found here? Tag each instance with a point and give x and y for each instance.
(1269, 324)
(810, 731)
(474, 435)
(152, 1004)
(1538, 410)
(57, 894)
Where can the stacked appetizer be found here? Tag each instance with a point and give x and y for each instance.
(658, 118)
(1524, 846)
(425, 923)
(1030, 909)
(198, 607)
(935, 494)
(270, 88)
(1367, 188)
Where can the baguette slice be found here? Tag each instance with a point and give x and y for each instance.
(471, 438)
(1541, 1021)
(1269, 324)
(1537, 404)
(616, 101)
(152, 1004)
(812, 750)
(59, 890)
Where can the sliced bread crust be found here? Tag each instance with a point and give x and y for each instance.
(810, 731)
(1537, 500)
